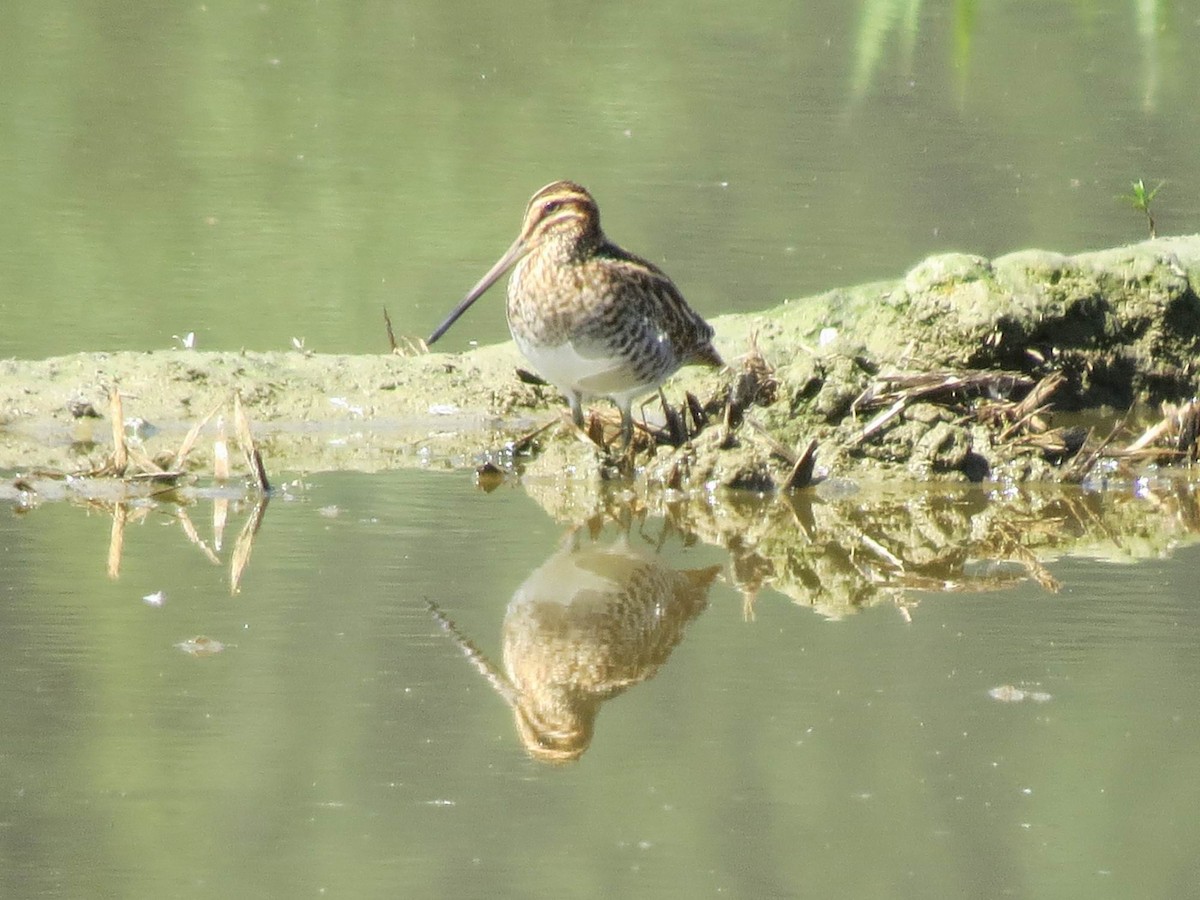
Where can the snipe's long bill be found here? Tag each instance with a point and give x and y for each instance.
(593, 319)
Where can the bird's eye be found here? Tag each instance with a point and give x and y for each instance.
(552, 206)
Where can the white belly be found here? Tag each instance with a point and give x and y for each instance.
(592, 371)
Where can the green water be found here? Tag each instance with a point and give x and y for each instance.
(258, 172)
(341, 745)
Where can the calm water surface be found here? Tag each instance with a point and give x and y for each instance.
(342, 744)
(257, 172)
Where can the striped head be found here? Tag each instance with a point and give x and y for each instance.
(563, 212)
(562, 216)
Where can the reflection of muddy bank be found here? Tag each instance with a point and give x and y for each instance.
(839, 549)
(587, 624)
(600, 616)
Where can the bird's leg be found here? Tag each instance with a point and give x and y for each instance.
(576, 400)
(594, 430)
(626, 426)
(674, 418)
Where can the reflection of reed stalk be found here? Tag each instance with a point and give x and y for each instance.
(116, 540)
(123, 515)
(244, 545)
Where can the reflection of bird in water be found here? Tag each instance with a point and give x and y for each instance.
(585, 626)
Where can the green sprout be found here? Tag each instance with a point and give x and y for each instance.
(1140, 199)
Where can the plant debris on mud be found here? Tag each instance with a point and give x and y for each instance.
(1033, 366)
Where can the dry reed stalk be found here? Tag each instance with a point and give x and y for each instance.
(241, 424)
(801, 475)
(189, 439)
(120, 454)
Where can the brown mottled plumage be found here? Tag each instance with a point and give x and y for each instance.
(585, 626)
(593, 319)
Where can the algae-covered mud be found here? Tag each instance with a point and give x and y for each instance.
(964, 369)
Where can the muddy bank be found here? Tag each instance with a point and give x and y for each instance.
(922, 377)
